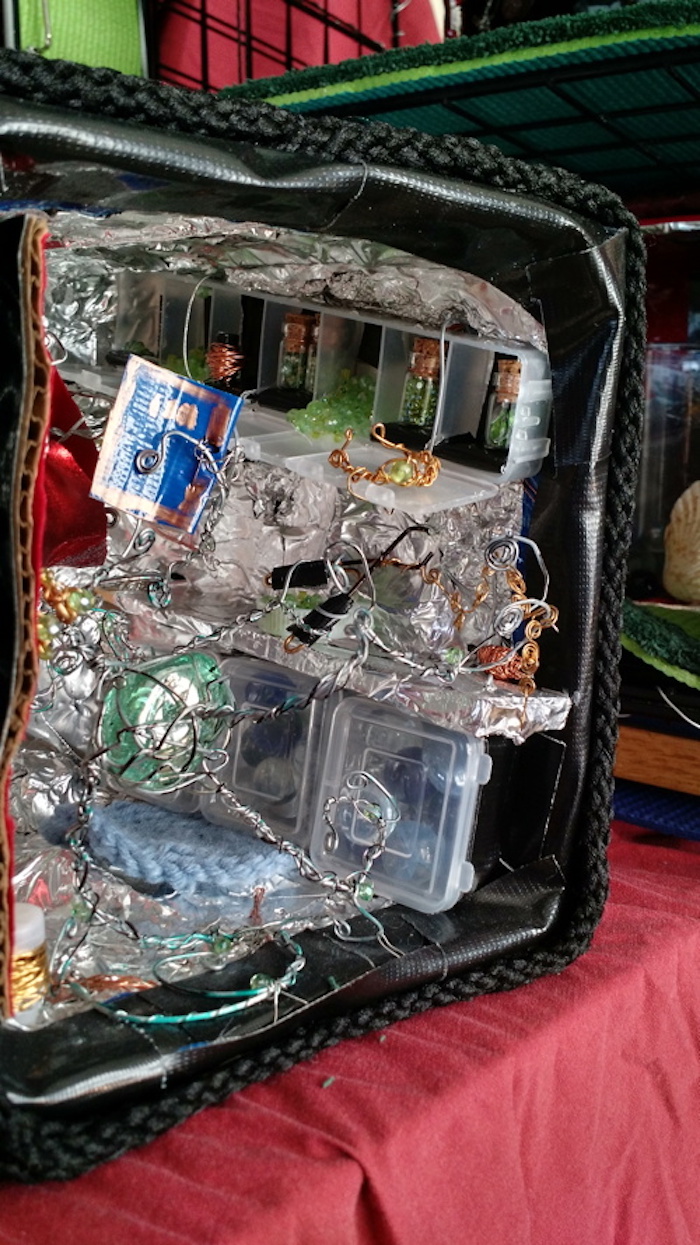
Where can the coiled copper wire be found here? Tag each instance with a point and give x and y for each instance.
(224, 362)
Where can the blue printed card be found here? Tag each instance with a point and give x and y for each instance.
(165, 438)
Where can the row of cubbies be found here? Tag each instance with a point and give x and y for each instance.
(173, 322)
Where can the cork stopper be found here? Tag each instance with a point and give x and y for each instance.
(425, 357)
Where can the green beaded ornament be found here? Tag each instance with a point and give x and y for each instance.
(149, 738)
(400, 471)
(261, 981)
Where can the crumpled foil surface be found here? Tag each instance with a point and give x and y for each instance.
(219, 598)
(86, 255)
(477, 704)
(81, 304)
(273, 517)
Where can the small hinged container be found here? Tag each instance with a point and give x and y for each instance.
(271, 758)
(422, 780)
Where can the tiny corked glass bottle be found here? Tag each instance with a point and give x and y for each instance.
(500, 412)
(294, 355)
(312, 355)
(422, 384)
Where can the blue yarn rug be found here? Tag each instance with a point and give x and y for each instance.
(188, 854)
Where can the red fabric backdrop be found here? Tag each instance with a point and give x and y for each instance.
(564, 1113)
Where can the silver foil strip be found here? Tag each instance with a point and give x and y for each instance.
(475, 704)
(87, 254)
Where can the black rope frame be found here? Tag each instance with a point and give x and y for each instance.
(36, 1147)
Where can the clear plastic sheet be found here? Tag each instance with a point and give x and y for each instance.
(273, 517)
(139, 925)
(414, 617)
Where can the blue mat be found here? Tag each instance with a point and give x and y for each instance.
(653, 808)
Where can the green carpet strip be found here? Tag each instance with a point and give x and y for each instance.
(526, 46)
(666, 639)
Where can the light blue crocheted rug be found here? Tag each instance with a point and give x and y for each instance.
(187, 854)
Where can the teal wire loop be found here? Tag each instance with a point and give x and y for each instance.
(241, 1000)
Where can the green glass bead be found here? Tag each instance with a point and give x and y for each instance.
(261, 981)
(48, 626)
(373, 813)
(80, 600)
(348, 406)
(222, 944)
(364, 892)
(400, 471)
(147, 738)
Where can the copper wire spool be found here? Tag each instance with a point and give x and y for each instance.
(505, 671)
(110, 984)
(224, 361)
(30, 977)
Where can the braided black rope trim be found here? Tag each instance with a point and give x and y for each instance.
(35, 1147)
(44, 1148)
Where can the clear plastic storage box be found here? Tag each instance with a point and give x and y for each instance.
(271, 760)
(383, 760)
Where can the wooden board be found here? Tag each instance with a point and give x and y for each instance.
(669, 761)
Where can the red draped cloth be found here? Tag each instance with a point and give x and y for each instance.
(564, 1113)
(73, 524)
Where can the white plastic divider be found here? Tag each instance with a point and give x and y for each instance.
(267, 436)
(155, 306)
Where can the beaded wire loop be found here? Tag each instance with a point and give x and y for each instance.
(533, 615)
(417, 468)
(60, 606)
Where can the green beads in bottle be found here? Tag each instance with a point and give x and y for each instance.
(294, 355)
(422, 385)
(503, 395)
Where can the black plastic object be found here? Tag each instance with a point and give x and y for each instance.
(313, 574)
(321, 619)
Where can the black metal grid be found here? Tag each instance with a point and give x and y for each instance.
(243, 37)
(630, 122)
